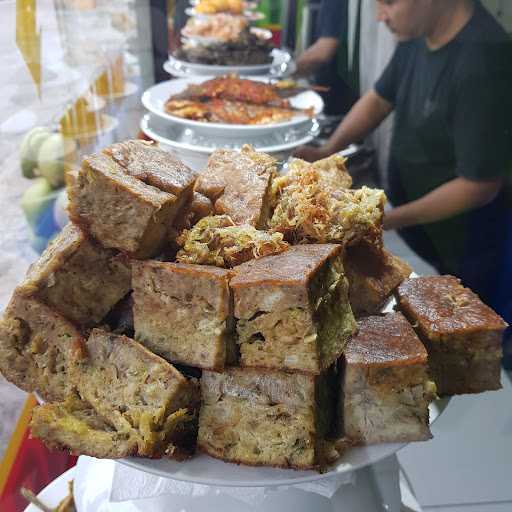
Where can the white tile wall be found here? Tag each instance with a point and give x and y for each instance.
(479, 507)
(469, 461)
(502, 9)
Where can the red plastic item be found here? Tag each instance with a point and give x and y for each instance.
(28, 463)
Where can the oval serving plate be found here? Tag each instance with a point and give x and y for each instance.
(155, 97)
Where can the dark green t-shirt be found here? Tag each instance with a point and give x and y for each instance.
(453, 117)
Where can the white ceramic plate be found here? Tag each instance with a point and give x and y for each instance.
(54, 492)
(206, 470)
(282, 65)
(182, 138)
(155, 97)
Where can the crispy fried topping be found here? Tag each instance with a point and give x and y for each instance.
(216, 240)
(312, 203)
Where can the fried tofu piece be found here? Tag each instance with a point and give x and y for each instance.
(78, 277)
(373, 274)
(128, 196)
(183, 313)
(292, 309)
(76, 426)
(238, 183)
(38, 347)
(153, 166)
(385, 389)
(265, 417)
(461, 334)
(218, 241)
(133, 389)
(314, 204)
(128, 401)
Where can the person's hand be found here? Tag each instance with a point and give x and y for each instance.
(309, 153)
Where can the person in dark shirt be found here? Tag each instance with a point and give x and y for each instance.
(326, 58)
(449, 84)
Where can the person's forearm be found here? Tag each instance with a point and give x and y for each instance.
(456, 196)
(316, 55)
(308, 63)
(362, 119)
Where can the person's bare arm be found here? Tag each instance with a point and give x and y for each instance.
(321, 52)
(362, 119)
(454, 197)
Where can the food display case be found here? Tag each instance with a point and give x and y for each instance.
(202, 321)
(67, 92)
(82, 67)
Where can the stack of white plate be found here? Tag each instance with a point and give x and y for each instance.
(193, 141)
(282, 65)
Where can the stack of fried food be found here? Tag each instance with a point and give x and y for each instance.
(220, 6)
(218, 28)
(220, 34)
(218, 310)
(247, 49)
(233, 100)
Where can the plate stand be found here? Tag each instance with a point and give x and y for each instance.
(375, 489)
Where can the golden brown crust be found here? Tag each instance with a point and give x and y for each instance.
(373, 275)
(38, 348)
(441, 306)
(461, 334)
(122, 207)
(183, 312)
(238, 184)
(76, 426)
(135, 391)
(73, 425)
(292, 309)
(102, 164)
(260, 418)
(384, 386)
(460, 373)
(57, 253)
(189, 269)
(78, 277)
(296, 266)
(126, 355)
(387, 340)
(152, 165)
(217, 295)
